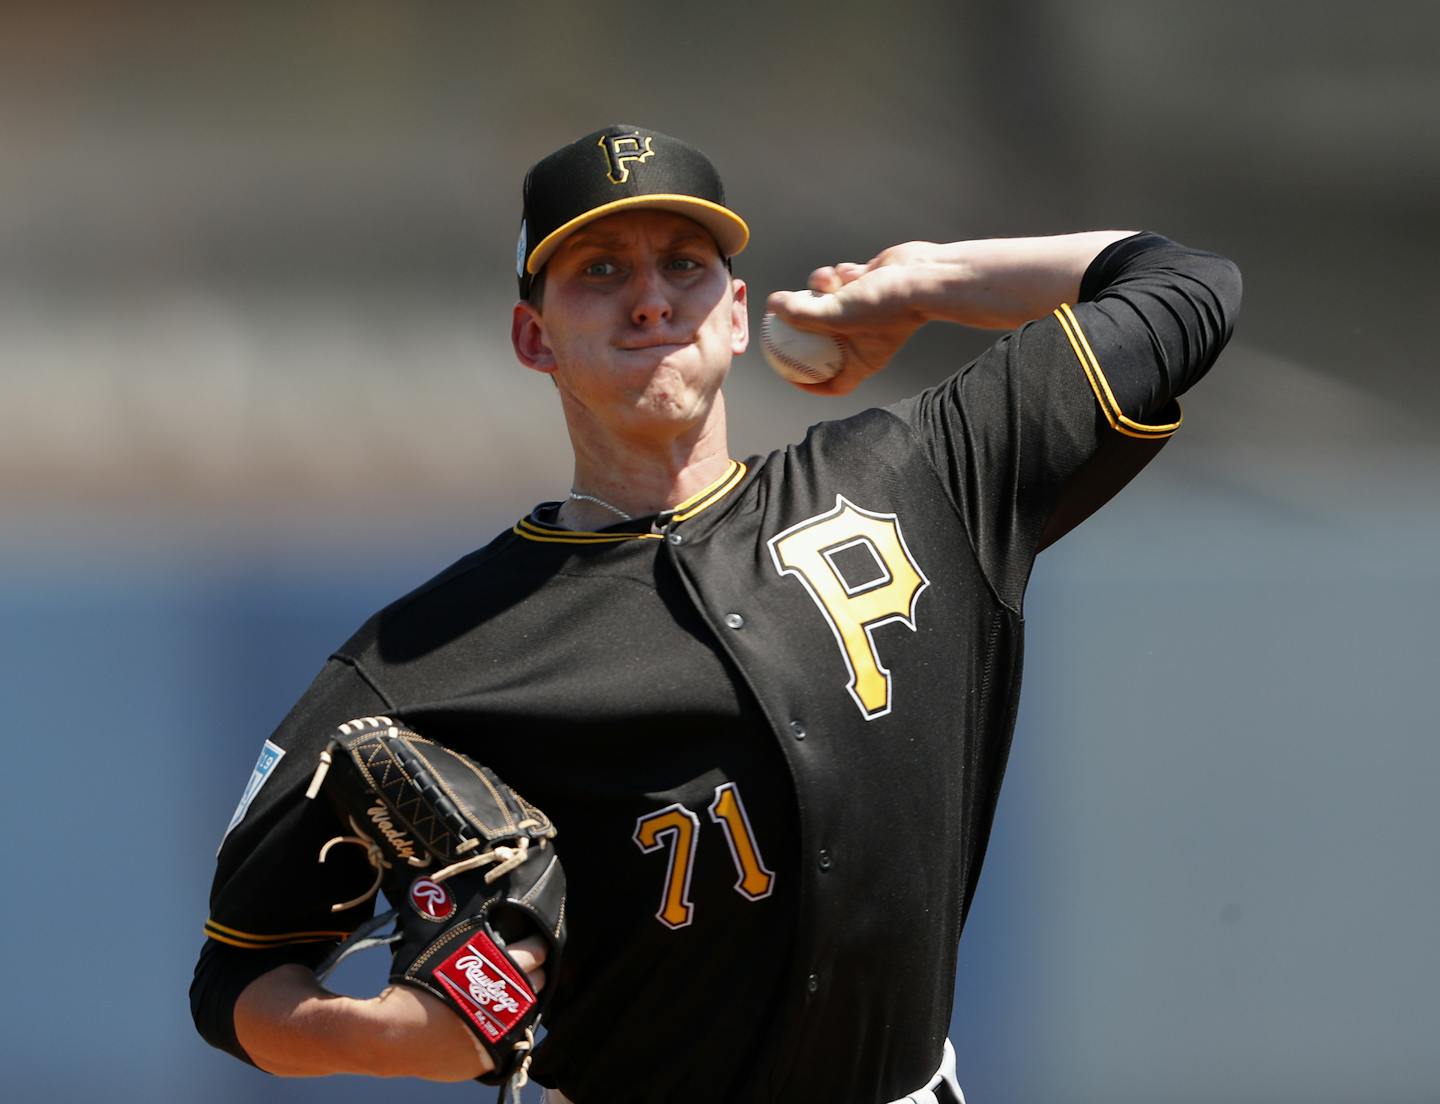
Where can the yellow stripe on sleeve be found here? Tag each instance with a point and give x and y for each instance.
(1109, 406)
(251, 941)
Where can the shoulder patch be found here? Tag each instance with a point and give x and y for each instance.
(270, 755)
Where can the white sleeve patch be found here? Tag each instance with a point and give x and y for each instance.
(270, 755)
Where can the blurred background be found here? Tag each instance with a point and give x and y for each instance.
(256, 264)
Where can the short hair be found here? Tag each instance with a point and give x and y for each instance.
(535, 294)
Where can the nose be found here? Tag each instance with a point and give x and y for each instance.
(652, 298)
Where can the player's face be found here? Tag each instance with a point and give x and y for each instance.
(640, 321)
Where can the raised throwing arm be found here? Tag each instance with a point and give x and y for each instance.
(996, 284)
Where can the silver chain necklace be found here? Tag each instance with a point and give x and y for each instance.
(600, 502)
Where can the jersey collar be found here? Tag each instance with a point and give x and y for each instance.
(537, 528)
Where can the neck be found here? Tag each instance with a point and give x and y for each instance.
(644, 475)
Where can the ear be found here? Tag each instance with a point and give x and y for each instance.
(739, 318)
(527, 335)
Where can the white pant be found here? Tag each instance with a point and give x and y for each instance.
(927, 1095)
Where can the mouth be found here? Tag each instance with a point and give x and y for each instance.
(646, 346)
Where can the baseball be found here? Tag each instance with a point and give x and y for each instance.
(799, 355)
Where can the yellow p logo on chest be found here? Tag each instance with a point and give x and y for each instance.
(829, 554)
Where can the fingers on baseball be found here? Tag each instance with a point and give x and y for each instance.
(833, 277)
(806, 310)
(780, 303)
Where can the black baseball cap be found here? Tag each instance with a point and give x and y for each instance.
(619, 168)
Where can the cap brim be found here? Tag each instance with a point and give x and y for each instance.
(729, 229)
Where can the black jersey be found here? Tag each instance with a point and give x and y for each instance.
(770, 724)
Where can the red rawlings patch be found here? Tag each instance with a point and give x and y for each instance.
(486, 986)
(431, 900)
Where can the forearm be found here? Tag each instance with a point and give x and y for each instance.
(292, 1026)
(1002, 283)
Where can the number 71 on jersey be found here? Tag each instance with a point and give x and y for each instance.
(678, 827)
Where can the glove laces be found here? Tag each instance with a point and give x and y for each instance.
(505, 857)
(521, 1077)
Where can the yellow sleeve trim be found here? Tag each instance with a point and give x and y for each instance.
(1098, 383)
(252, 942)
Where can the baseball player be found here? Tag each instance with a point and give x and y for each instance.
(766, 702)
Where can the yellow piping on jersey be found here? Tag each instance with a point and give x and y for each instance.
(532, 531)
(702, 500)
(252, 942)
(711, 494)
(1101, 386)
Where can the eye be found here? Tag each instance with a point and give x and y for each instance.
(685, 264)
(600, 268)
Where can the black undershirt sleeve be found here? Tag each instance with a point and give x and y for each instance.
(1161, 313)
(1157, 314)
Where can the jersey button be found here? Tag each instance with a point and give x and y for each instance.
(798, 729)
(675, 538)
(823, 860)
(734, 621)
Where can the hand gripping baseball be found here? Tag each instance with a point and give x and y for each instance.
(871, 309)
(468, 866)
